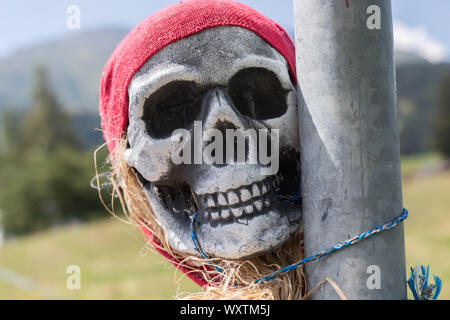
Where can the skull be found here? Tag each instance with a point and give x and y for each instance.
(228, 78)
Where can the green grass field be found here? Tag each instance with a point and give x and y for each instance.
(115, 265)
(427, 229)
(111, 255)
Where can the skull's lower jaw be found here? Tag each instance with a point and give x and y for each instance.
(259, 234)
(250, 225)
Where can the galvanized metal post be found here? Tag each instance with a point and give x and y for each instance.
(351, 180)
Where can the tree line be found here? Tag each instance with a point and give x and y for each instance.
(44, 172)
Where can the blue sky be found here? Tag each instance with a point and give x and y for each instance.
(424, 25)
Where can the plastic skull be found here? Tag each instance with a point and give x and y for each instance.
(228, 78)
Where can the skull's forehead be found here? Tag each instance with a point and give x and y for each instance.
(209, 57)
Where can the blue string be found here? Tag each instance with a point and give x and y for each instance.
(340, 246)
(197, 244)
(317, 255)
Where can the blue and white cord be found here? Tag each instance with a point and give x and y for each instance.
(418, 282)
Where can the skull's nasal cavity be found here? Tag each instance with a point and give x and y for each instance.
(235, 146)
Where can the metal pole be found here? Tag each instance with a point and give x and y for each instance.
(350, 152)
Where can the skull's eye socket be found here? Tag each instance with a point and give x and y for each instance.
(258, 94)
(174, 106)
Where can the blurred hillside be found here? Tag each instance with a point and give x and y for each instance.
(74, 65)
(417, 83)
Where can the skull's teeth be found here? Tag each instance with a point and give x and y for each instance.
(264, 188)
(232, 198)
(255, 190)
(237, 212)
(259, 205)
(245, 194)
(215, 215)
(221, 200)
(225, 213)
(248, 209)
(238, 203)
(210, 202)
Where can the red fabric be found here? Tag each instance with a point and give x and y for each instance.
(159, 30)
(164, 27)
(197, 277)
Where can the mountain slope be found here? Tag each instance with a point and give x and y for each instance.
(74, 65)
